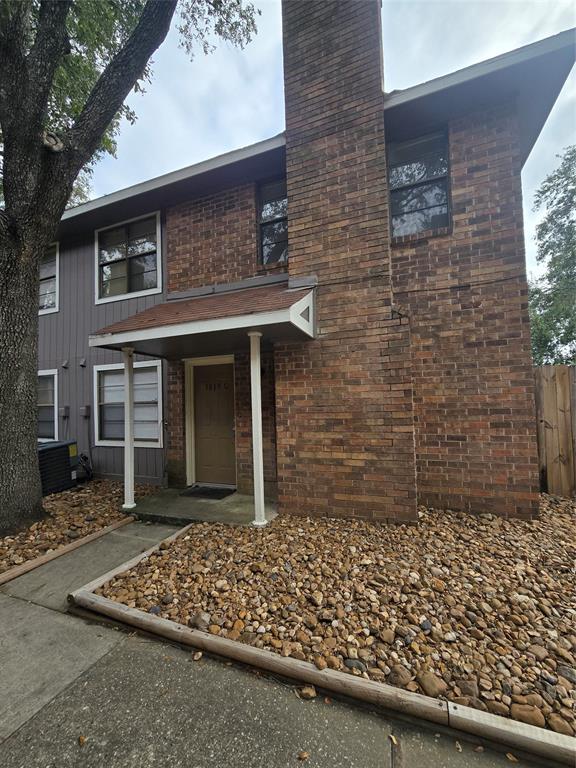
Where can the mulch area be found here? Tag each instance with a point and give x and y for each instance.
(71, 515)
(478, 610)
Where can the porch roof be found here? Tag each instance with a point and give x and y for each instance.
(213, 324)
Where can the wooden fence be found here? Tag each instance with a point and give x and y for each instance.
(556, 418)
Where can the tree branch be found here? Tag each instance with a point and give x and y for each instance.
(118, 78)
(50, 45)
(14, 17)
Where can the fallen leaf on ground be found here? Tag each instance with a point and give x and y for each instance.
(81, 740)
(511, 757)
(303, 756)
(197, 656)
(306, 692)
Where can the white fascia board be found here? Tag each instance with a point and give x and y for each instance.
(192, 328)
(462, 76)
(245, 153)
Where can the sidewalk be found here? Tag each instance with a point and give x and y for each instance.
(139, 703)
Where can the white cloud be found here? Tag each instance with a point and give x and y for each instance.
(232, 98)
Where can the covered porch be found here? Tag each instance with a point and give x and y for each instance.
(207, 337)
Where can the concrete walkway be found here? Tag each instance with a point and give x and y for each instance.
(140, 703)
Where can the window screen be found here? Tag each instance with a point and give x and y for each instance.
(48, 283)
(46, 407)
(111, 404)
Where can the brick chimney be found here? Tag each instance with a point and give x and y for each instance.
(344, 401)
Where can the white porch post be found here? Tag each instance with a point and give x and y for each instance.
(257, 454)
(128, 359)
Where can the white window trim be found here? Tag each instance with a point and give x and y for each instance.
(135, 294)
(56, 307)
(54, 373)
(120, 443)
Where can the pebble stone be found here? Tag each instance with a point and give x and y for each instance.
(70, 515)
(474, 609)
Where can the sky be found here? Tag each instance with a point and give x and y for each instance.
(194, 110)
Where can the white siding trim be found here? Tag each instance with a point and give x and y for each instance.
(119, 443)
(54, 373)
(55, 308)
(135, 294)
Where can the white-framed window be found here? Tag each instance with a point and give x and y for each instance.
(128, 259)
(48, 298)
(109, 404)
(47, 405)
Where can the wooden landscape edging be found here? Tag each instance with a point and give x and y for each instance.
(36, 562)
(503, 731)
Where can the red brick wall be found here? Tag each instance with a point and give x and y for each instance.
(176, 430)
(213, 239)
(344, 401)
(466, 294)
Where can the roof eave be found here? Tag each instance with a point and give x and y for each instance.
(533, 76)
(182, 174)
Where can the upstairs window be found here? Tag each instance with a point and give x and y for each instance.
(273, 218)
(47, 405)
(48, 293)
(128, 263)
(418, 177)
(109, 400)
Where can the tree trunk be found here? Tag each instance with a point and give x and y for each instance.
(20, 488)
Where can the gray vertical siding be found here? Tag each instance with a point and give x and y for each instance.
(63, 336)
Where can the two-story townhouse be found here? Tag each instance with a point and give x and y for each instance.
(335, 317)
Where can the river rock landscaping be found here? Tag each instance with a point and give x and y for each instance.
(475, 609)
(71, 515)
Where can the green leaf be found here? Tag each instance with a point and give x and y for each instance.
(553, 297)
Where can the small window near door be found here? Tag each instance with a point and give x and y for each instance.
(273, 222)
(47, 405)
(418, 177)
(48, 291)
(109, 404)
(128, 259)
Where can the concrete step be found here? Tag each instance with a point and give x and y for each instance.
(170, 507)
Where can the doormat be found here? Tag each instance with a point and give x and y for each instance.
(201, 492)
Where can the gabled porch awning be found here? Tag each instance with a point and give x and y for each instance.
(222, 322)
(213, 324)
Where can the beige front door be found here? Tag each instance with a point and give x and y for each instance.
(215, 452)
